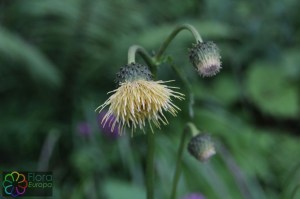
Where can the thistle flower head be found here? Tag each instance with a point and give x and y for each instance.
(138, 100)
(205, 57)
(201, 147)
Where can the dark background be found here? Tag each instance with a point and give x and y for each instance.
(58, 59)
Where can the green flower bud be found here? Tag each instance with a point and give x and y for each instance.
(201, 147)
(132, 72)
(205, 57)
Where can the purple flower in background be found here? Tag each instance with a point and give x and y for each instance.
(106, 129)
(194, 196)
(84, 129)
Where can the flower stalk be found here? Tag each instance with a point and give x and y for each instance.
(150, 165)
(132, 51)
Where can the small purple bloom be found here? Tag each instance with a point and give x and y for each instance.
(107, 128)
(84, 129)
(194, 196)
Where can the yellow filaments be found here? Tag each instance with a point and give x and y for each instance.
(138, 101)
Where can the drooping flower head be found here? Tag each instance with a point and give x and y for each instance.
(139, 100)
(205, 57)
(201, 147)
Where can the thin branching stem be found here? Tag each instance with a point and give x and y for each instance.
(189, 128)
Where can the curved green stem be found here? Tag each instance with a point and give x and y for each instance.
(173, 34)
(190, 127)
(134, 49)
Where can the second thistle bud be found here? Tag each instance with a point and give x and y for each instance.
(201, 147)
(205, 57)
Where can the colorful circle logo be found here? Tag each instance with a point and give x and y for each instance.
(15, 184)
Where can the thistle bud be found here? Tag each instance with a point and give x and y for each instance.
(205, 57)
(201, 147)
(132, 72)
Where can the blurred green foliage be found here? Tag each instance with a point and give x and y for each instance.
(58, 60)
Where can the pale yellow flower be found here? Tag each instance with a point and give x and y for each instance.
(137, 102)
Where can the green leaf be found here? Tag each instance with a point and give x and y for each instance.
(26, 57)
(269, 88)
(225, 88)
(291, 60)
(214, 29)
(115, 189)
